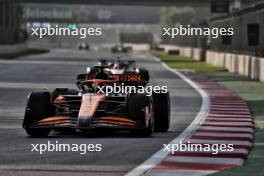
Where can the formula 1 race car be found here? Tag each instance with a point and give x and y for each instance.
(87, 108)
(121, 49)
(84, 46)
(118, 66)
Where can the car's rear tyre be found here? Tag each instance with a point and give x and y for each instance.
(38, 108)
(162, 111)
(140, 109)
(145, 74)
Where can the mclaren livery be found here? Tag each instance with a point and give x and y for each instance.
(85, 109)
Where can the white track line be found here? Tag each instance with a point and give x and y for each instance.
(229, 106)
(236, 150)
(229, 123)
(230, 119)
(155, 159)
(170, 172)
(223, 134)
(230, 109)
(226, 129)
(208, 141)
(206, 160)
(229, 115)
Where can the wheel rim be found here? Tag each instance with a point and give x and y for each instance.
(149, 121)
(147, 116)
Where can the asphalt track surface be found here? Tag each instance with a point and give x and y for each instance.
(120, 153)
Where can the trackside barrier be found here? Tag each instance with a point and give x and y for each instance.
(168, 47)
(261, 70)
(138, 46)
(242, 64)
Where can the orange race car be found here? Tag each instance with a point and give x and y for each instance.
(91, 107)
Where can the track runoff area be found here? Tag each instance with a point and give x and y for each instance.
(198, 116)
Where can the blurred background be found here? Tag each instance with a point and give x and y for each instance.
(136, 23)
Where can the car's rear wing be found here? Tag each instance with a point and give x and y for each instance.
(106, 61)
(123, 78)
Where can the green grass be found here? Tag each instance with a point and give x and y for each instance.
(30, 51)
(186, 63)
(250, 91)
(253, 93)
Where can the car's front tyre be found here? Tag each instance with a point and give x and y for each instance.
(38, 132)
(38, 107)
(162, 111)
(141, 109)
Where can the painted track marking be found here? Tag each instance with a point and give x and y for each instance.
(224, 118)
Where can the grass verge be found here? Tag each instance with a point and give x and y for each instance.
(30, 51)
(186, 63)
(250, 91)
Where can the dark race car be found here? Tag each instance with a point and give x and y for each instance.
(84, 46)
(121, 49)
(118, 66)
(87, 109)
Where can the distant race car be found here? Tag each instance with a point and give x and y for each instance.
(86, 109)
(84, 46)
(121, 49)
(118, 66)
